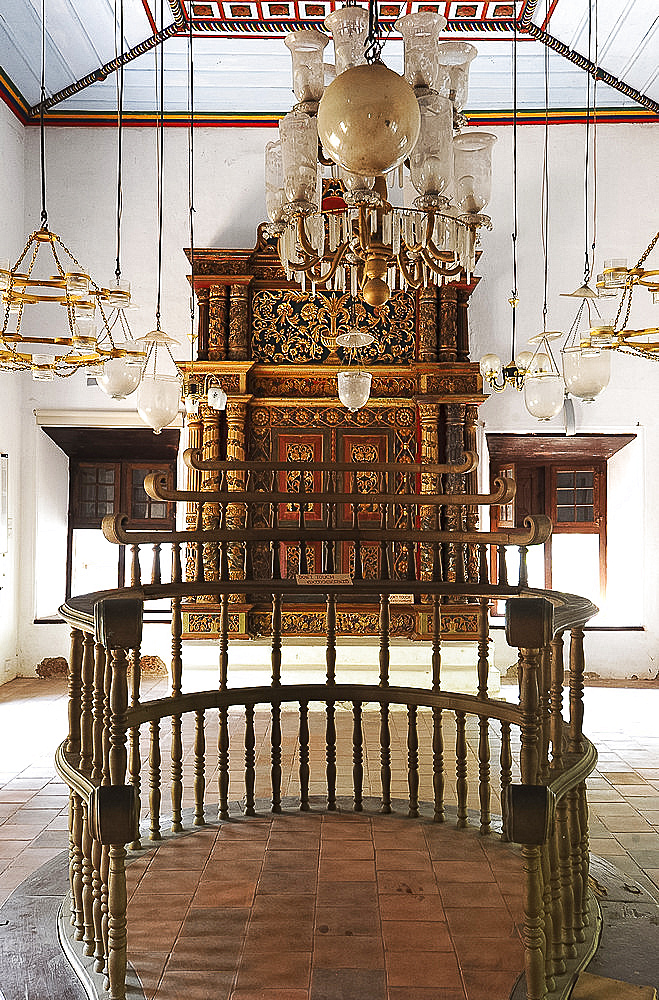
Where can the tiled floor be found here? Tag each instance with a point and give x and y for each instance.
(304, 906)
(624, 810)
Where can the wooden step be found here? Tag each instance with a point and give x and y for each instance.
(589, 987)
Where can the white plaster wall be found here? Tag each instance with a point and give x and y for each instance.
(229, 205)
(11, 227)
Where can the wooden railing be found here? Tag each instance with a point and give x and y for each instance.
(102, 762)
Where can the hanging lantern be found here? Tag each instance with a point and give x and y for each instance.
(587, 371)
(119, 376)
(543, 394)
(159, 396)
(354, 388)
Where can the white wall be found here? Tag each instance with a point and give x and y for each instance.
(12, 229)
(229, 205)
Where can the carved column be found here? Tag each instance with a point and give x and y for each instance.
(448, 323)
(210, 420)
(202, 295)
(471, 486)
(195, 440)
(428, 324)
(462, 324)
(428, 415)
(218, 325)
(238, 346)
(236, 424)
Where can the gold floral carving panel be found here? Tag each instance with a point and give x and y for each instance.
(294, 327)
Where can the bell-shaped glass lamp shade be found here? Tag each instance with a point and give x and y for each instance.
(368, 120)
(299, 155)
(348, 26)
(119, 377)
(456, 57)
(306, 48)
(543, 394)
(472, 155)
(420, 33)
(158, 399)
(275, 199)
(354, 388)
(587, 371)
(431, 162)
(490, 366)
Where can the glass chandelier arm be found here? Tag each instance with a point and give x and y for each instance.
(407, 272)
(322, 279)
(305, 245)
(440, 266)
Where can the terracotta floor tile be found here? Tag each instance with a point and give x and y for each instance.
(347, 919)
(422, 968)
(213, 893)
(347, 984)
(195, 985)
(350, 850)
(207, 921)
(479, 952)
(278, 882)
(295, 841)
(148, 907)
(428, 935)
(345, 871)
(348, 951)
(267, 994)
(288, 860)
(167, 881)
(291, 969)
(480, 985)
(158, 935)
(212, 954)
(406, 860)
(431, 993)
(405, 907)
(357, 894)
(463, 871)
(479, 894)
(411, 883)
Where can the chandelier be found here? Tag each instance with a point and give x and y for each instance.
(365, 124)
(62, 281)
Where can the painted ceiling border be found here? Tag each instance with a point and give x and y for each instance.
(149, 119)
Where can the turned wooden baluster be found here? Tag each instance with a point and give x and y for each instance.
(357, 756)
(461, 787)
(438, 779)
(502, 566)
(199, 769)
(155, 571)
(576, 865)
(460, 569)
(529, 701)
(558, 950)
(483, 569)
(585, 849)
(275, 736)
(75, 802)
(506, 772)
(134, 757)
(576, 689)
(565, 866)
(117, 897)
(544, 683)
(548, 919)
(135, 568)
(330, 667)
(97, 775)
(154, 780)
(250, 760)
(523, 578)
(176, 752)
(484, 786)
(534, 936)
(304, 756)
(199, 545)
(86, 759)
(412, 761)
(384, 660)
(556, 701)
